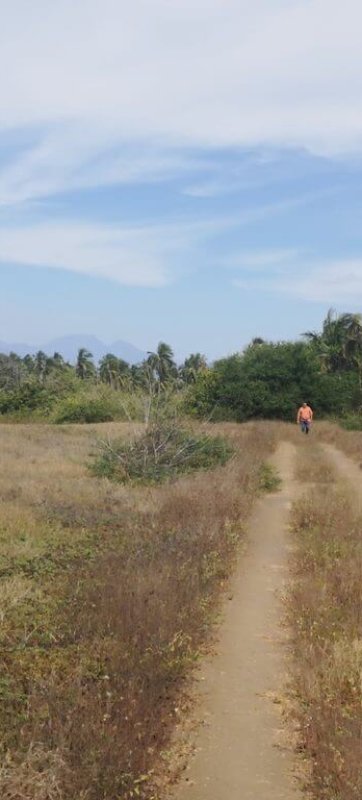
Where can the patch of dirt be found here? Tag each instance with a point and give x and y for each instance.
(240, 747)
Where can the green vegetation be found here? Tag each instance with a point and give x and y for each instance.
(49, 389)
(162, 452)
(352, 422)
(268, 380)
(269, 479)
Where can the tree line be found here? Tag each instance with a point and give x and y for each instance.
(266, 379)
(39, 380)
(270, 380)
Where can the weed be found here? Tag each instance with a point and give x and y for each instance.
(269, 480)
(160, 453)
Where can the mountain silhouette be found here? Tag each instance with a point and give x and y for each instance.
(68, 347)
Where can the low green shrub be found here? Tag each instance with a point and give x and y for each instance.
(27, 398)
(161, 452)
(269, 480)
(84, 409)
(352, 422)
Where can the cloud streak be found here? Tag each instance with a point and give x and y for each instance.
(296, 274)
(92, 77)
(142, 255)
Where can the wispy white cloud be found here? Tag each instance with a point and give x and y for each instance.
(92, 77)
(295, 274)
(143, 255)
(129, 257)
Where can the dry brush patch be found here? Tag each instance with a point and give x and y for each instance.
(325, 609)
(108, 595)
(312, 464)
(350, 442)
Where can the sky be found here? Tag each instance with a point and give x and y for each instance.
(179, 171)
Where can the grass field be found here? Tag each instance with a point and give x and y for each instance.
(107, 597)
(325, 615)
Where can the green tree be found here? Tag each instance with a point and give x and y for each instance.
(330, 344)
(114, 371)
(40, 366)
(192, 366)
(352, 324)
(162, 363)
(85, 368)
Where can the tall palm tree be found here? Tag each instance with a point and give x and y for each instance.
(352, 325)
(330, 343)
(162, 363)
(113, 370)
(84, 367)
(192, 365)
(108, 369)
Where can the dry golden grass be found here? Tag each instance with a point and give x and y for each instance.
(325, 610)
(348, 441)
(108, 594)
(312, 464)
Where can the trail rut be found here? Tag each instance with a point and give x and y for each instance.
(239, 748)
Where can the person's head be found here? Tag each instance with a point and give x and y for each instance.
(304, 405)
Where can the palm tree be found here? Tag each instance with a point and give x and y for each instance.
(108, 369)
(330, 343)
(113, 370)
(352, 325)
(41, 364)
(192, 365)
(84, 367)
(162, 363)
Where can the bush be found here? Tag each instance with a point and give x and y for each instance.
(269, 381)
(29, 397)
(352, 422)
(162, 452)
(83, 409)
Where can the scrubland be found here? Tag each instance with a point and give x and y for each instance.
(107, 597)
(325, 616)
(350, 441)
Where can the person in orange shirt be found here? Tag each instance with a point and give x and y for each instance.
(304, 418)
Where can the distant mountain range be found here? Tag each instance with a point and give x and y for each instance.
(68, 347)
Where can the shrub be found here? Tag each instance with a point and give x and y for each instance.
(84, 409)
(29, 397)
(163, 451)
(352, 422)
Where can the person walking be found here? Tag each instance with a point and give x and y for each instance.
(304, 417)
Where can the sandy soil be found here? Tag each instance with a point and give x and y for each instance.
(241, 751)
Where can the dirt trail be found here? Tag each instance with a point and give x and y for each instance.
(346, 468)
(239, 750)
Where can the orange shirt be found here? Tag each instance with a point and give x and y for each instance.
(305, 414)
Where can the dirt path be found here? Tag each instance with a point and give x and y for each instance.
(239, 752)
(346, 468)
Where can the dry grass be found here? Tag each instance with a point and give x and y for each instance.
(348, 441)
(313, 465)
(325, 608)
(108, 594)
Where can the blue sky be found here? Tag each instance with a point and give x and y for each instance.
(185, 171)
